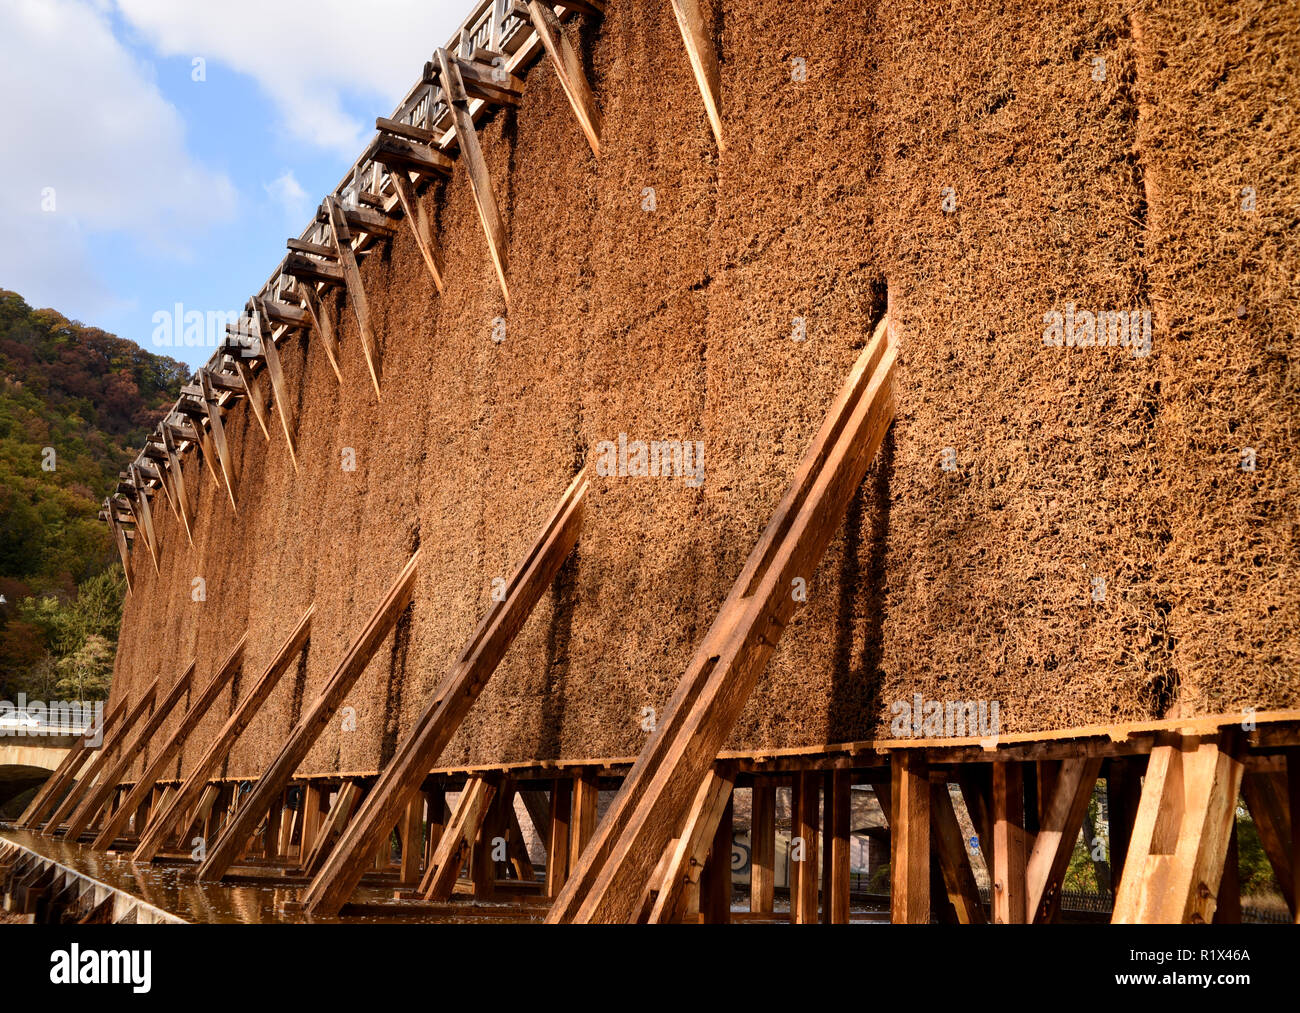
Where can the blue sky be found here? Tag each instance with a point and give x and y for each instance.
(130, 186)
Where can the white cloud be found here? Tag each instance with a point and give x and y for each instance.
(286, 191)
(308, 55)
(85, 125)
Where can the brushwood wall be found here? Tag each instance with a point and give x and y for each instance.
(1069, 531)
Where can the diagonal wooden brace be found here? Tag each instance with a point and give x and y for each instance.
(356, 291)
(568, 68)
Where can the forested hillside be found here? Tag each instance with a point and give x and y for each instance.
(75, 403)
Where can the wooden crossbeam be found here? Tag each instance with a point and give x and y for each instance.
(356, 291)
(219, 437)
(312, 249)
(308, 270)
(1058, 829)
(84, 783)
(489, 82)
(407, 131)
(954, 860)
(271, 355)
(1180, 838)
(704, 61)
(457, 839)
(1009, 845)
(479, 179)
(334, 823)
(283, 314)
(567, 63)
(418, 219)
(309, 727)
(95, 800)
(454, 697)
(409, 154)
(78, 753)
(689, 849)
(144, 515)
(607, 881)
(220, 747)
(119, 539)
(1266, 798)
(361, 219)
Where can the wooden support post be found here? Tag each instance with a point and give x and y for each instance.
(586, 794)
(520, 860)
(119, 539)
(96, 737)
(313, 810)
(219, 437)
(762, 847)
(144, 515)
(480, 181)
(290, 827)
(316, 842)
(1060, 818)
(1180, 839)
(567, 63)
(805, 831)
(221, 746)
(436, 805)
(274, 821)
(76, 791)
(356, 291)
(1266, 798)
(412, 836)
(471, 809)
(321, 324)
(418, 219)
(1228, 910)
(455, 695)
(679, 885)
(1293, 822)
(839, 805)
(607, 883)
(950, 848)
(271, 356)
(909, 838)
(256, 397)
(99, 794)
(715, 878)
(704, 61)
(177, 468)
(1123, 792)
(312, 723)
(1008, 872)
(557, 841)
(116, 823)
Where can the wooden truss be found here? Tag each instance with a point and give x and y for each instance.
(607, 883)
(400, 782)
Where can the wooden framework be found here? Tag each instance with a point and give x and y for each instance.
(80, 751)
(704, 61)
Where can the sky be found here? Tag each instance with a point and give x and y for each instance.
(159, 152)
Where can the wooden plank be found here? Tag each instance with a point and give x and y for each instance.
(78, 753)
(704, 61)
(321, 324)
(567, 63)
(909, 839)
(312, 723)
(220, 747)
(321, 842)
(1059, 822)
(451, 702)
(271, 355)
(686, 859)
(100, 761)
(219, 437)
(307, 270)
(762, 847)
(557, 842)
(954, 863)
(403, 154)
(479, 179)
(444, 868)
(606, 884)
(1008, 872)
(418, 219)
(421, 135)
(100, 794)
(356, 291)
(225, 672)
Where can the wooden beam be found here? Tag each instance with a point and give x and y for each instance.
(408, 154)
(356, 291)
(909, 838)
(256, 398)
(412, 834)
(117, 820)
(804, 880)
(1008, 872)
(220, 747)
(567, 63)
(1228, 910)
(418, 219)
(1293, 822)
(479, 179)
(456, 694)
(557, 841)
(219, 437)
(119, 539)
(312, 723)
(704, 61)
(97, 736)
(321, 324)
(715, 879)
(471, 809)
(103, 790)
(954, 861)
(321, 842)
(144, 515)
(266, 343)
(1180, 839)
(307, 270)
(1061, 817)
(1266, 798)
(1123, 793)
(762, 847)
(607, 883)
(586, 798)
(686, 859)
(839, 805)
(177, 468)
